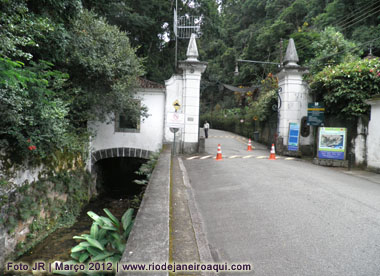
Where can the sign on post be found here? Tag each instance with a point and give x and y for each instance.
(315, 114)
(332, 143)
(175, 119)
(294, 134)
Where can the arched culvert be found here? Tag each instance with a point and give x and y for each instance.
(115, 176)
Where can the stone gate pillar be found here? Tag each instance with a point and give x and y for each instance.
(294, 97)
(185, 89)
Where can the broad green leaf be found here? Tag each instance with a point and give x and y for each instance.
(76, 255)
(94, 251)
(102, 233)
(101, 257)
(104, 242)
(83, 257)
(128, 230)
(112, 217)
(112, 228)
(83, 237)
(94, 243)
(116, 236)
(106, 221)
(77, 248)
(95, 217)
(94, 230)
(84, 244)
(127, 218)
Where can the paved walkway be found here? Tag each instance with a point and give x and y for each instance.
(285, 217)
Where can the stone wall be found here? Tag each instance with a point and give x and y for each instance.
(373, 139)
(35, 200)
(149, 239)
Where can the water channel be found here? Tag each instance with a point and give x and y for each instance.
(115, 182)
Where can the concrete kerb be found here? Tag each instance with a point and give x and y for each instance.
(202, 243)
(149, 239)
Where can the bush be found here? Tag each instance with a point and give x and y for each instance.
(345, 88)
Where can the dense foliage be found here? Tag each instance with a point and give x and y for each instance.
(60, 66)
(326, 33)
(64, 62)
(344, 88)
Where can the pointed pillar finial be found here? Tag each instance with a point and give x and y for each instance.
(192, 49)
(291, 56)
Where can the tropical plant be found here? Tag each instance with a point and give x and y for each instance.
(106, 241)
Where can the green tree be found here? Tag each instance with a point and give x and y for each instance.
(146, 22)
(61, 66)
(331, 49)
(33, 116)
(103, 66)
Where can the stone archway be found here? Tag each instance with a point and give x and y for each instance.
(119, 152)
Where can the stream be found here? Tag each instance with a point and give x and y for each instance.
(118, 190)
(57, 246)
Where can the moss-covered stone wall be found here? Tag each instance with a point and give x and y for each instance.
(29, 212)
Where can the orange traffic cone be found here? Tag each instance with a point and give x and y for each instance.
(219, 154)
(272, 155)
(249, 145)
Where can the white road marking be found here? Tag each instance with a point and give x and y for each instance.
(234, 156)
(192, 157)
(237, 156)
(205, 157)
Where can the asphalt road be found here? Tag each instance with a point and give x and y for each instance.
(285, 216)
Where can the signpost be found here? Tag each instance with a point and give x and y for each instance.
(332, 143)
(315, 114)
(294, 134)
(175, 121)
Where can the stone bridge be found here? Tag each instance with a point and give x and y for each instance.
(119, 152)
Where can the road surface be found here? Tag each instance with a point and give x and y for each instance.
(284, 216)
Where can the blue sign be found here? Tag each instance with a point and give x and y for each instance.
(294, 134)
(332, 143)
(331, 155)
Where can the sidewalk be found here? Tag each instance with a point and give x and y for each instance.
(187, 238)
(367, 175)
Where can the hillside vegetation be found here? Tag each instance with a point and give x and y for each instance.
(64, 62)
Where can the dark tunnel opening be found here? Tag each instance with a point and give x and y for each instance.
(115, 176)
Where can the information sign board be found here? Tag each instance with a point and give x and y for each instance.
(294, 134)
(315, 114)
(332, 143)
(175, 119)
